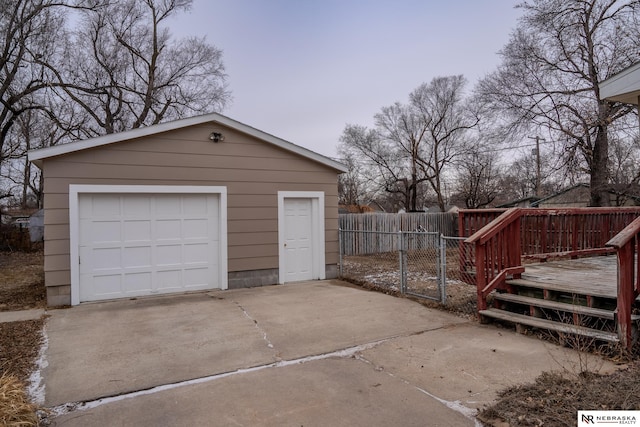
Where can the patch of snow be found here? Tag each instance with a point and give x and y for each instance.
(36, 387)
(455, 405)
(67, 408)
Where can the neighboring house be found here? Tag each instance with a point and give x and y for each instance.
(367, 208)
(525, 202)
(447, 209)
(194, 204)
(16, 216)
(578, 196)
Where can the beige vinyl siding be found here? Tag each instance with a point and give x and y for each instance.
(252, 170)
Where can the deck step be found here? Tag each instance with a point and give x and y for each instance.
(536, 283)
(549, 324)
(560, 306)
(556, 305)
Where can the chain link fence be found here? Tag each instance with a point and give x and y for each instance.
(425, 265)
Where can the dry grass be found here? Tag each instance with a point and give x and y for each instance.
(15, 408)
(19, 347)
(21, 287)
(21, 281)
(554, 399)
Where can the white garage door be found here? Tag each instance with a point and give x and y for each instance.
(145, 244)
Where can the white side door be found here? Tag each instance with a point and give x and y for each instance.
(298, 240)
(301, 236)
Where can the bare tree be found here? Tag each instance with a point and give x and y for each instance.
(124, 71)
(447, 118)
(28, 36)
(380, 163)
(551, 70)
(414, 144)
(353, 188)
(27, 29)
(478, 178)
(624, 167)
(119, 70)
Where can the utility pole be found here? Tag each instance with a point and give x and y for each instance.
(538, 173)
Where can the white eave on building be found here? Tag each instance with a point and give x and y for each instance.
(37, 156)
(623, 86)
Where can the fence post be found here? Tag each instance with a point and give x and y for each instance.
(443, 269)
(402, 259)
(340, 251)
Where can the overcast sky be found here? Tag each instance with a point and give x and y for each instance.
(302, 69)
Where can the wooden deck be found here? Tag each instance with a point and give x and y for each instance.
(576, 296)
(602, 283)
(594, 276)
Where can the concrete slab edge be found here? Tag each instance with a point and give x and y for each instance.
(71, 407)
(21, 315)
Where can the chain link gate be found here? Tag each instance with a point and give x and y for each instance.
(421, 264)
(421, 268)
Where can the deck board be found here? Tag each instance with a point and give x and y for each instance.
(589, 276)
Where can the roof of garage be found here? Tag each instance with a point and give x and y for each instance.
(36, 156)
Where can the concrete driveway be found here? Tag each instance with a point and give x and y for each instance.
(312, 354)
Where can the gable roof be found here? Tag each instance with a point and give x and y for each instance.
(574, 187)
(514, 203)
(623, 86)
(37, 156)
(559, 193)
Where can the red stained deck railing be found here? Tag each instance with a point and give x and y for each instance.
(626, 244)
(521, 233)
(497, 253)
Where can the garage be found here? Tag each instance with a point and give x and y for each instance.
(199, 203)
(137, 241)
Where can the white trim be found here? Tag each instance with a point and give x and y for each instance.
(318, 232)
(74, 222)
(36, 156)
(623, 86)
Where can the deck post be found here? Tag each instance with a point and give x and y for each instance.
(626, 293)
(481, 275)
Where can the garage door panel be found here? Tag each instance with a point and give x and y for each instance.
(106, 285)
(105, 206)
(195, 229)
(138, 283)
(193, 206)
(133, 245)
(140, 257)
(103, 232)
(169, 255)
(169, 229)
(137, 230)
(196, 277)
(169, 280)
(136, 205)
(195, 253)
(105, 259)
(166, 205)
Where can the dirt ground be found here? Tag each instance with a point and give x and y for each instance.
(382, 272)
(21, 281)
(21, 288)
(553, 400)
